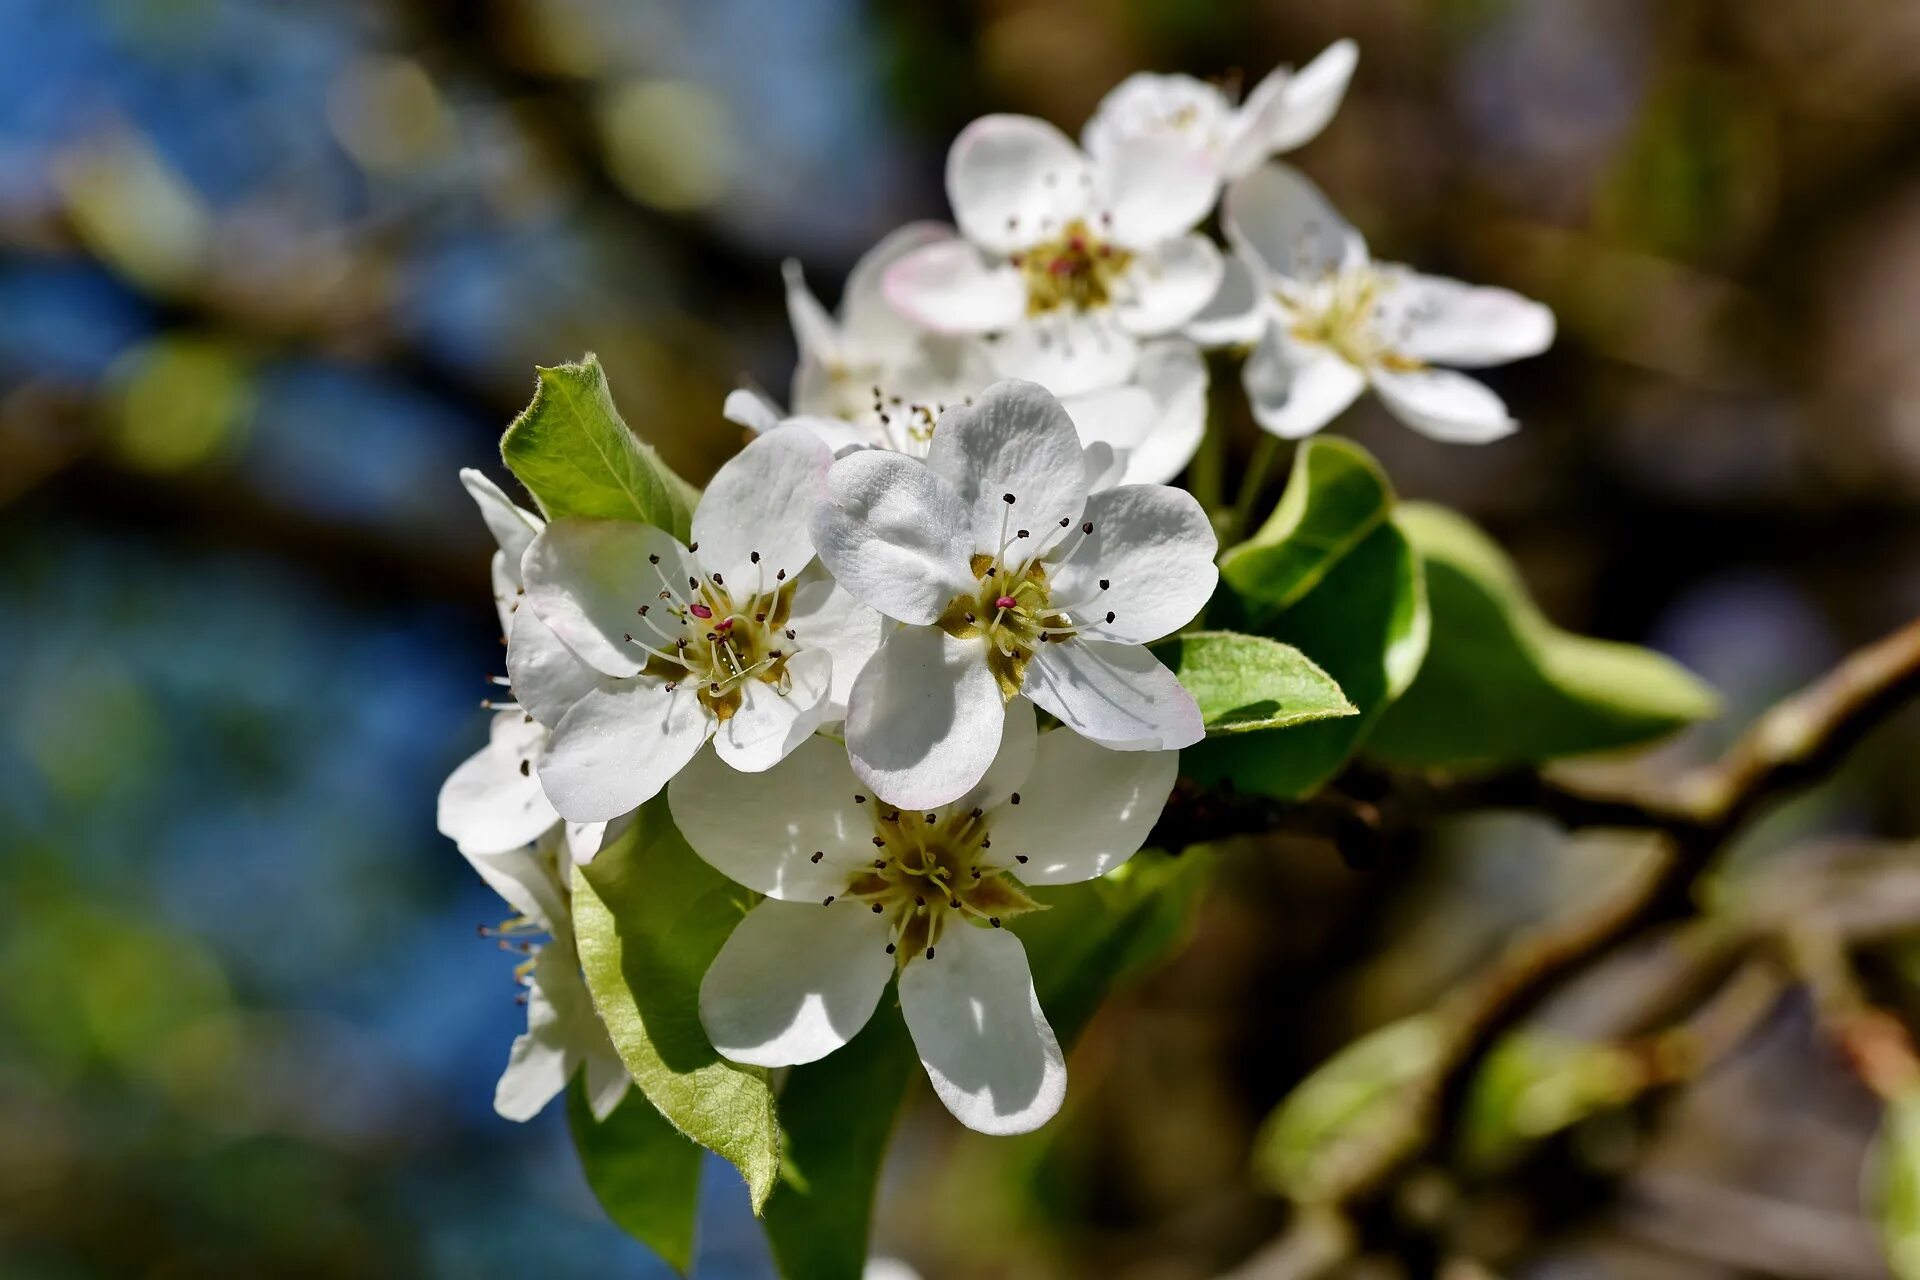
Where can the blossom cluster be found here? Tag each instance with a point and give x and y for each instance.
(900, 673)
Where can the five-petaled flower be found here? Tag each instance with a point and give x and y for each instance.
(1068, 259)
(1009, 578)
(1329, 321)
(857, 888)
(731, 638)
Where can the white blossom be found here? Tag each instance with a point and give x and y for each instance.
(1287, 109)
(858, 888)
(733, 638)
(1069, 260)
(1330, 322)
(1010, 576)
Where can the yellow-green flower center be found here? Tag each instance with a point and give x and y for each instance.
(1076, 269)
(703, 633)
(930, 869)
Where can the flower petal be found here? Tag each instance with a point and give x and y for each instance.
(752, 409)
(795, 981)
(951, 287)
(1280, 222)
(1237, 312)
(1067, 352)
(981, 1034)
(526, 879)
(869, 322)
(607, 1079)
(1288, 109)
(512, 526)
(1119, 695)
(1083, 809)
(1170, 285)
(1015, 438)
(1445, 405)
(1442, 321)
(586, 578)
(1011, 763)
(1172, 372)
(924, 721)
(1149, 105)
(894, 534)
(1154, 188)
(751, 524)
(1153, 547)
(1296, 388)
(764, 831)
(815, 332)
(539, 1063)
(768, 724)
(493, 802)
(827, 617)
(547, 677)
(619, 745)
(1013, 180)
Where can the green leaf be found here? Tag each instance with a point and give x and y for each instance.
(650, 916)
(1502, 685)
(643, 1173)
(1534, 1085)
(1893, 1180)
(1366, 1098)
(837, 1115)
(1366, 623)
(1335, 497)
(1243, 683)
(577, 456)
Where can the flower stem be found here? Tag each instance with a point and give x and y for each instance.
(1252, 483)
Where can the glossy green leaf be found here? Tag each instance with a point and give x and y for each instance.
(642, 1171)
(1502, 685)
(1244, 683)
(1366, 624)
(1367, 1098)
(837, 1115)
(1335, 497)
(578, 457)
(1893, 1182)
(1534, 1085)
(650, 916)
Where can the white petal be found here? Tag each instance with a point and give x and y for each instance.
(607, 1079)
(1280, 221)
(1441, 321)
(1147, 105)
(1105, 466)
(1445, 405)
(768, 723)
(1155, 188)
(587, 578)
(795, 981)
(868, 321)
(538, 1064)
(950, 286)
(547, 677)
(585, 840)
(1173, 373)
(814, 331)
(1014, 180)
(760, 503)
(512, 526)
(894, 534)
(1083, 810)
(752, 409)
(1011, 764)
(924, 721)
(763, 831)
(1119, 695)
(981, 1034)
(1154, 547)
(1119, 417)
(1296, 388)
(1067, 352)
(505, 576)
(526, 878)
(1289, 109)
(1167, 287)
(1015, 438)
(837, 434)
(619, 745)
(827, 617)
(493, 801)
(1237, 312)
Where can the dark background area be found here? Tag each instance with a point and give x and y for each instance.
(270, 272)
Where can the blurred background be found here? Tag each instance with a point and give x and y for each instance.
(272, 270)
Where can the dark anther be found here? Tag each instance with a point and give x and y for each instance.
(644, 608)
(929, 953)
(526, 768)
(1105, 583)
(653, 559)
(1109, 615)
(718, 581)
(889, 948)
(1020, 858)
(789, 633)
(693, 546)
(1007, 498)
(932, 817)
(919, 901)
(994, 921)
(1014, 798)
(1087, 527)
(859, 799)
(878, 909)
(828, 902)
(1065, 521)
(879, 842)
(780, 576)
(1020, 533)
(754, 556)
(817, 855)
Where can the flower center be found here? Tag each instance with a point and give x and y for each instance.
(1346, 318)
(930, 869)
(1076, 269)
(703, 632)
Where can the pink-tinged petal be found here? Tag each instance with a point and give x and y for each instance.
(950, 286)
(795, 981)
(868, 320)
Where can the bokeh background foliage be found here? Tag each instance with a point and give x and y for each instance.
(270, 272)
